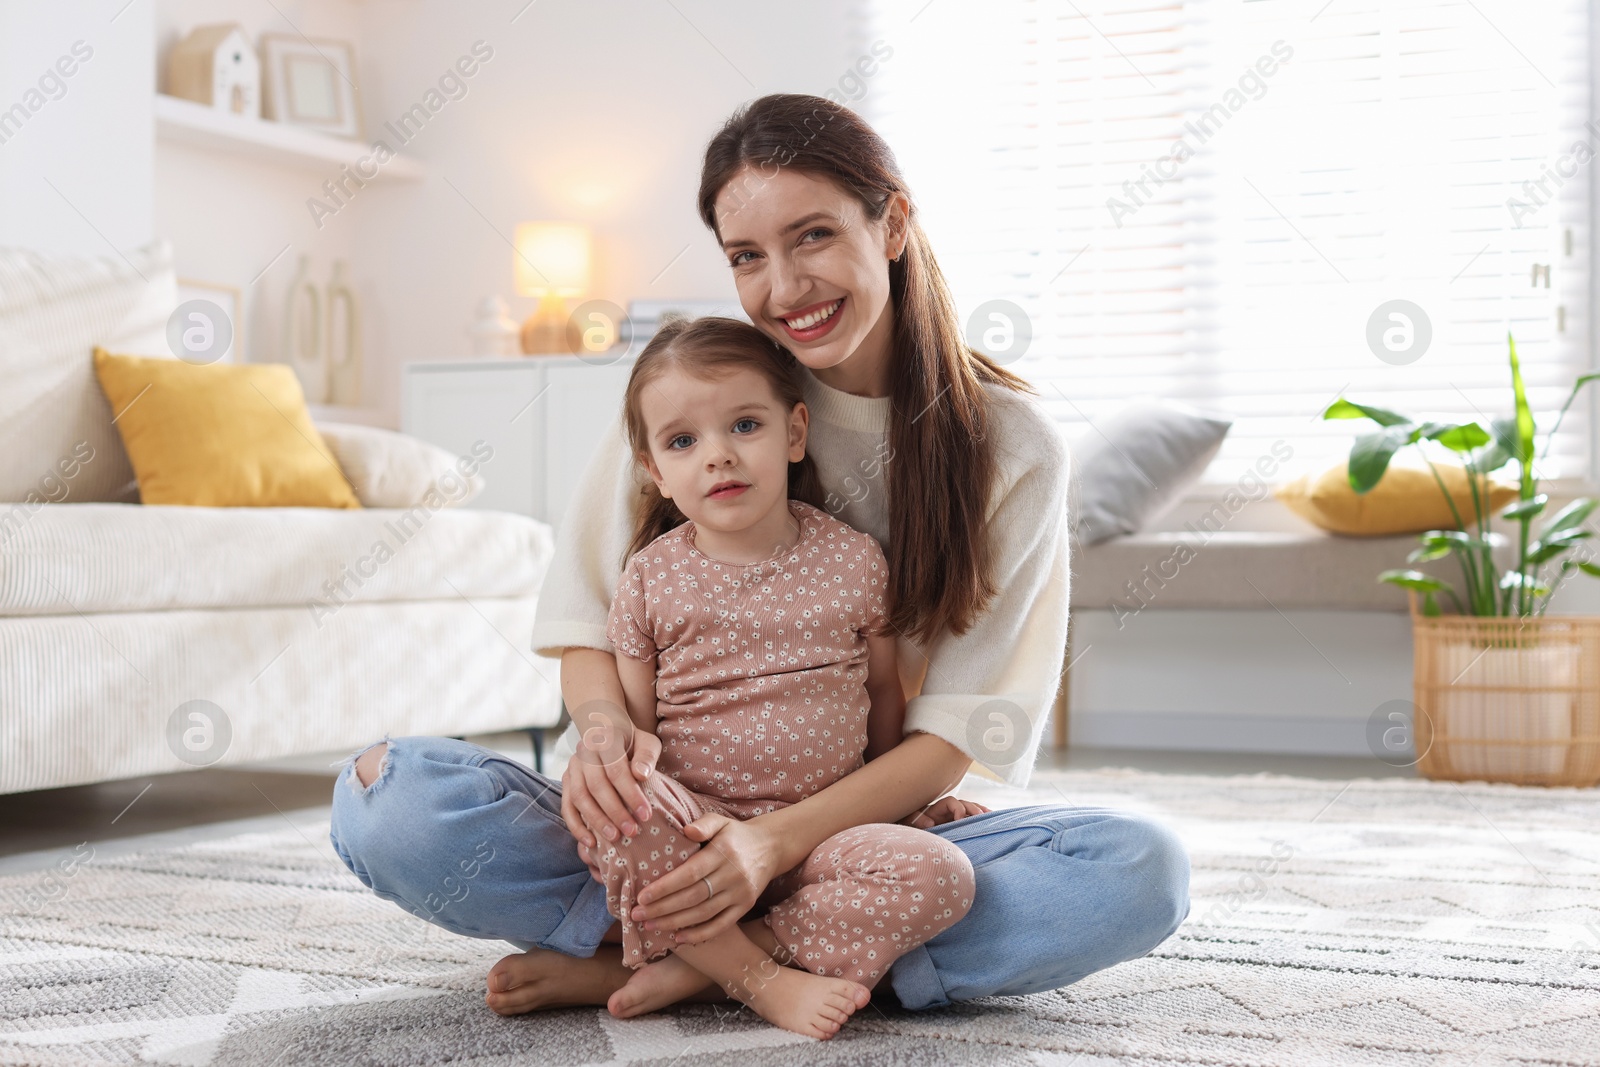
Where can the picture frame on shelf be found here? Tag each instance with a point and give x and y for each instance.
(310, 83)
(230, 300)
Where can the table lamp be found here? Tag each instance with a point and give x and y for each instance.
(552, 263)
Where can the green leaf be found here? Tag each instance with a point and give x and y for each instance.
(1571, 515)
(1577, 386)
(1525, 428)
(1422, 583)
(1516, 579)
(1371, 453)
(1548, 548)
(1591, 569)
(1504, 432)
(1527, 508)
(1568, 536)
(1539, 552)
(1446, 535)
(1345, 409)
(1427, 552)
(1489, 458)
(1460, 539)
(1502, 447)
(1456, 436)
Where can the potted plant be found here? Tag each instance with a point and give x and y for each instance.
(1503, 691)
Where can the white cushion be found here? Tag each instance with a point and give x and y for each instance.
(56, 432)
(1244, 570)
(61, 559)
(395, 470)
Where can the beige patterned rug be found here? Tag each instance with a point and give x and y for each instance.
(1373, 922)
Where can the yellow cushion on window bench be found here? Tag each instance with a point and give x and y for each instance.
(1405, 500)
(221, 434)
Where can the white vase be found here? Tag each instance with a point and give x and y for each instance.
(302, 334)
(1520, 703)
(494, 332)
(343, 346)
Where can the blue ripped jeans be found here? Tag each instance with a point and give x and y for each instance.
(475, 843)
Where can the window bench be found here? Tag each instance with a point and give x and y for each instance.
(1236, 641)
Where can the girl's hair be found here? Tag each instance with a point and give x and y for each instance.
(942, 466)
(708, 348)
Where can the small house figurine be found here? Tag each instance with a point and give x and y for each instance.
(215, 65)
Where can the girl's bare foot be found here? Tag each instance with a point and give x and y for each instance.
(656, 985)
(800, 1001)
(540, 978)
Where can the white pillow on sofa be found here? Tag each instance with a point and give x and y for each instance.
(394, 470)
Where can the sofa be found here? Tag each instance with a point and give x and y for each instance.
(139, 640)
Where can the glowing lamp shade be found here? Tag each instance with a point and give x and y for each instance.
(552, 263)
(552, 259)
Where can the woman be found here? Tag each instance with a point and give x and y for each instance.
(937, 453)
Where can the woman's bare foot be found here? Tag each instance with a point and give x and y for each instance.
(656, 985)
(802, 1002)
(540, 978)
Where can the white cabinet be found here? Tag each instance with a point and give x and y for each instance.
(542, 415)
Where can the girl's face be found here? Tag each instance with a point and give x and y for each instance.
(812, 270)
(721, 449)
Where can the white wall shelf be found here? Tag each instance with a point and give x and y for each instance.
(188, 123)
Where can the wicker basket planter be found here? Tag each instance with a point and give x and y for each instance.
(1508, 699)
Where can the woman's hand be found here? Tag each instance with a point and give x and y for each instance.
(941, 811)
(600, 790)
(738, 860)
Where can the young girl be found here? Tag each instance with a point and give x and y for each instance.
(753, 639)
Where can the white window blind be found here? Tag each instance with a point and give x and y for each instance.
(1344, 154)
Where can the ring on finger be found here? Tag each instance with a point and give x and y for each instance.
(709, 891)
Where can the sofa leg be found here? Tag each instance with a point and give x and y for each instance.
(536, 735)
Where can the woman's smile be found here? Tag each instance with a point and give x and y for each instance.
(813, 322)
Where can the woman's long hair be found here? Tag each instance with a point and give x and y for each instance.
(708, 348)
(943, 466)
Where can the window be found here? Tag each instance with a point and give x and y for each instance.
(1218, 201)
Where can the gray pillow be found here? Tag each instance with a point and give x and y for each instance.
(1133, 468)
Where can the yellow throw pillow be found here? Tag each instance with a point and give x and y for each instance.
(1405, 500)
(220, 435)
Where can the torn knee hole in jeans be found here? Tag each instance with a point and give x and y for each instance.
(362, 767)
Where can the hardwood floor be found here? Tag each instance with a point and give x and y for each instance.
(60, 818)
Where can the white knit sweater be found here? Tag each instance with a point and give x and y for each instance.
(989, 691)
